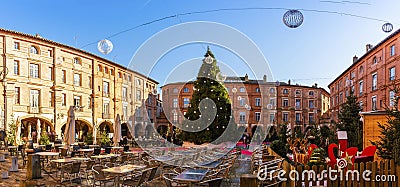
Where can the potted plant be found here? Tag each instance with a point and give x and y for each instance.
(89, 139)
(11, 132)
(104, 140)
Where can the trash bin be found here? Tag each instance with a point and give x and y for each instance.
(33, 167)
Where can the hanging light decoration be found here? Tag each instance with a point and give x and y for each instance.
(387, 27)
(293, 18)
(221, 77)
(209, 60)
(105, 46)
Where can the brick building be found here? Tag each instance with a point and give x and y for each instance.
(371, 77)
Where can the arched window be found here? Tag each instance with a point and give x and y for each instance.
(272, 90)
(105, 70)
(285, 91)
(375, 60)
(34, 50)
(99, 68)
(185, 90)
(257, 89)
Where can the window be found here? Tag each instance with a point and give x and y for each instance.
(361, 70)
(77, 61)
(361, 88)
(51, 99)
(124, 93)
(50, 53)
(90, 82)
(373, 102)
(106, 108)
(64, 76)
(375, 60)
(298, 103)
(242, 89)
(257, 116)
(185, 90)
(129, 78)
(285, 102)
(16, 45)
(311, 93)
(391, 98)
(392, 50)
(50, 73)
(34, 70)
(119, 75)
(311, 104)
(105, 70)
(16, 67)
(374, 81)
(34, 50)
(99, 68)
(272, 101)
(111, 72)
(77, 79)
(106, 89)
(392, 73)
(34, 99)
(353, 74)
(272, 90)
(175, 90)
(242, 117)
(271, 117)
(89, 102)
(361, 105)
(175, 103)
(77, 101)
(258, 102)
(298, 92)
(63, 99)
(175, 117)
(138, 95)
(298, 117)
(285, 117)
(186, 102)
(310, 118)
(17, 95)
(242, 102)
(257, 90)
(285, 91)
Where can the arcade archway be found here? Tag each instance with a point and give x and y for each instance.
(82, 129)
(29, 128)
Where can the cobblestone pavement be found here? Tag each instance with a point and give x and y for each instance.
(241, 166)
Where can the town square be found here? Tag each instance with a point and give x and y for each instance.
(200, 93)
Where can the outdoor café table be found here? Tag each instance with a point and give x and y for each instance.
(80, 159)
(120, 170)
(192, 176)
(61, 162)
(85, 151)
(47, 155)
(101, 157)
(210, 165)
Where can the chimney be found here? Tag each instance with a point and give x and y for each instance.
(368, 47)
(38, 35)
(315, 85)
(265, 78)
(288, 81)
(355, 58)
(246, 78)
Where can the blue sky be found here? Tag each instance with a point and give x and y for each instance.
(316, 52)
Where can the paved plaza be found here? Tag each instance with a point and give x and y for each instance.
(241, 166)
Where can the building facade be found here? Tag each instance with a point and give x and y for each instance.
(253, 101)
(41, 79)
(301, 106)
(371, 78)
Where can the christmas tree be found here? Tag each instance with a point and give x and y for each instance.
(388, 145)
(209, 112)
(349, 120)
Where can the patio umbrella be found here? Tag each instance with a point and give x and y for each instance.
(18, 134)
(69, 132)
(38, 131)
(117, 130)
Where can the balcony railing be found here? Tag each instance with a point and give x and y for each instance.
(106, 116)
(33, 110)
